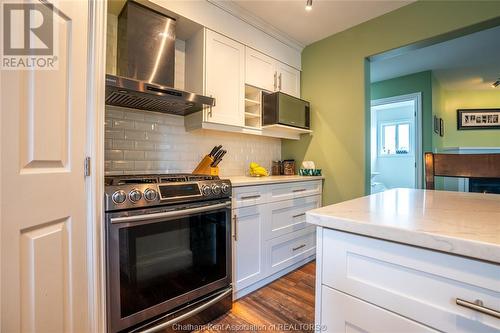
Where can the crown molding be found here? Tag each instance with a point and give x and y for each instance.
(234, 9)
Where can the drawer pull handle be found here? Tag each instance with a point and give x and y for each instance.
(251, 197)
(299, 215)
(299, 190)
(479, 307)
(298, 247)
(235, 229)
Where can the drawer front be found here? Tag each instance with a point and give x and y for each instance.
(343, 313)
(419, 284)
(249, 196)
(289, 215)
(287, 191)
(291, 248)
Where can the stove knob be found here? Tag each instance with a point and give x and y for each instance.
(216, 189)
(225, 188)
(150, 194)
(205, 189)
(135, 195)
(119, 197)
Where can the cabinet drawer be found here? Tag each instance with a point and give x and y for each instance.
(294, 190)
(288, 249)
(289, 215)
(419, 284)
(249, 196)
(343, 313)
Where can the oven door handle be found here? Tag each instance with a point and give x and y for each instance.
(175, 213)
(185, 315)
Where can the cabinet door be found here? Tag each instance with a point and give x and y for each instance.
(343, 313)
(288, 80)
(225, 79)
(247, 231)
(260, 70)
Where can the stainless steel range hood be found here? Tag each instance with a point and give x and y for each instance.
(145, 65)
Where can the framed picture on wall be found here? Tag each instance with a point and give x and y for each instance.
(436, 125)
(441, 127)
(471, 119)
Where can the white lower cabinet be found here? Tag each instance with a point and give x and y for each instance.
(422, 285)
(343, 313)
(247, 235)
(289, 215)
(270, 237)
(290, 248)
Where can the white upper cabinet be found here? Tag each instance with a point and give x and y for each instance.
(260, 70)
(266, 73)
(288, 79)
(225, 79)
(234, 74)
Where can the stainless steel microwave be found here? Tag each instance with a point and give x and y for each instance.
(283, 109)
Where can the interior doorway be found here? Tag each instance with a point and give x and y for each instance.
(396, 142)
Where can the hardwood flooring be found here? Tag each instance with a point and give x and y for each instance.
(285, 305)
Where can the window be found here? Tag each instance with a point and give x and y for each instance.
(395, 138)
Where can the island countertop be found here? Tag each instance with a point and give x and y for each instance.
(466, 224)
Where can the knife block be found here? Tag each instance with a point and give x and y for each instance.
(204, 167)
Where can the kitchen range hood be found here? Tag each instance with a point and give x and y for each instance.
(145, 65)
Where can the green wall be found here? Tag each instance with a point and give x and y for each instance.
(466, 99)
(408, 84)
(335, 79)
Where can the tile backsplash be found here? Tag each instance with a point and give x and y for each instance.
(147, 142)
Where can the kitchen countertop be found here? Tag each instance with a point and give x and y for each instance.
(466, 224)
(247, 180)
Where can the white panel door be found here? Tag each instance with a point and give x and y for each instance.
(288, 80)
(343, 313)
(260, 70)
(225, 79)
(249, 258)
(44, 282)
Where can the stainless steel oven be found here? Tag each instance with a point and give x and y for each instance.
(165, 257)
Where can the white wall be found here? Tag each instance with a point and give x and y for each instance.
(399, 170)
(148, 142)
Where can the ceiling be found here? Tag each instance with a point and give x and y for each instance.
(470, 62)
(326, 18)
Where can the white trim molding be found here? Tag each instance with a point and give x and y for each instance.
(236, 10)
(417, 99)
(95, 150)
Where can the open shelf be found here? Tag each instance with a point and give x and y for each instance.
(253, 107)
(251, 102)
(252, 115)
(286, 129)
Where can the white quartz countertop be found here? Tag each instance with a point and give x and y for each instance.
(466, 224)
(247, 181)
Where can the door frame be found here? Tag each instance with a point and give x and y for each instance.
(417, 99)
(96, 57)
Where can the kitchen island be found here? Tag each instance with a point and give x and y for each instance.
(409, 260)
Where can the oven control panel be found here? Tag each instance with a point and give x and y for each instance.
(126, 196)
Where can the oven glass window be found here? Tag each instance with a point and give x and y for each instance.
(163, 260)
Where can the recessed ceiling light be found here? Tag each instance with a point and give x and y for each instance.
(309, 5)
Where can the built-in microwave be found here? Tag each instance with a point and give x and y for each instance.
(283, 109)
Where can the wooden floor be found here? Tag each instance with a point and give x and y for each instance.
(285, 305)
